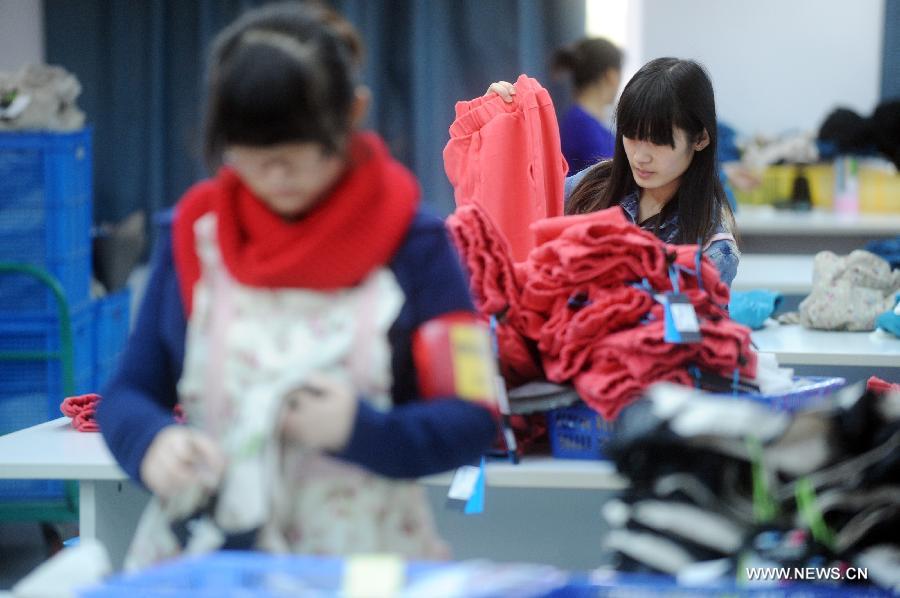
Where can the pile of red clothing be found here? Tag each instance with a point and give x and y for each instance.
(81, 409)
(581, 308)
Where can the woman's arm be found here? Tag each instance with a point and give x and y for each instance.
(725, 255)
(420, 435)
(138, 400)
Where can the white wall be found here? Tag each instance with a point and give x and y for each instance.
(21, 33)
(776, 65)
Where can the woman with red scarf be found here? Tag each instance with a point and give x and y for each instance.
(284, 315)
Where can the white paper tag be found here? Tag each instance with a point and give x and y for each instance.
(685, 317)
(463, 485)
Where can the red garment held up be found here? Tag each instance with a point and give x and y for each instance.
(507, 159)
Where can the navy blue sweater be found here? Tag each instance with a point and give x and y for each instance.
(415, 438)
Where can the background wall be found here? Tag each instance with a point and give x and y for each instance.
(141, 65)
(21, 33)
(776, 64)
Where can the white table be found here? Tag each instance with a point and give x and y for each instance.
(765, 230)
(766, 220)
(786, 274)
(110, 504)
(545, 472)
(795, 345)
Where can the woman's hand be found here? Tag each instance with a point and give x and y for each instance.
(504, 89)
(180, 457)
(320, 414)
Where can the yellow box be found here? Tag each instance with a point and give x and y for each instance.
(778, 182)
(879, 190)
(775, 185)
(821, 185)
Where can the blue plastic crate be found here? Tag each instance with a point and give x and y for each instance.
(112, 317)
(41, 378)
(578, 432)
(809, 392)
(46, 211)
(31, 391)
(610, 584)
(246, 574)
(25, 294)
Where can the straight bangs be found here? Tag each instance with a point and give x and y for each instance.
(264, 97)
(649, 110)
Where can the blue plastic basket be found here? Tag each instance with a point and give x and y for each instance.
(578, 432)
(40, 333)
(618, 585)
(111, 326)
(31, 391)
(246, 574)
(46, 211)
(809, 392)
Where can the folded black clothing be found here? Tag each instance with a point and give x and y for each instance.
(872, 469)
(652, 457)
(867, 422)
(687, 488)
(652, 550)
(870, 527)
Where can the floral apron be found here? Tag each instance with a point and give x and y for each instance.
(246, 349)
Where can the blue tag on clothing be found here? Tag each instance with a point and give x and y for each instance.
(466, 493)
(475, 505)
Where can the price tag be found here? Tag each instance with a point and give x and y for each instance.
(681, 323)
(466, 491)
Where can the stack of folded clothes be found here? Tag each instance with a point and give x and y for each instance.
(584, 307)
(720, 484)
(848, 293)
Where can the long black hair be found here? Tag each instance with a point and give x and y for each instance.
(281, 73)
(665, 93)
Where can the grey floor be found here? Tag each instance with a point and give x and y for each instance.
(22, 548)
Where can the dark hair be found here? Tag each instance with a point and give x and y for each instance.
(281, 73)
(588, 60)
(665, 93)
(886, 126)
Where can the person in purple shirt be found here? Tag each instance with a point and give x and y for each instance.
(595, 65)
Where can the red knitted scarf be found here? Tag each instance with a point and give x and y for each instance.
(355, 229)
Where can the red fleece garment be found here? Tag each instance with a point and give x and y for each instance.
(84, 421)
(492, 276)
(686, 256)
(517, 356)
(72, 406)
(610, 390)
(623, 364)
(495, 284)
(355, 229)
(81, 409)
(493, 145)
(876, 384)
(567, 337)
